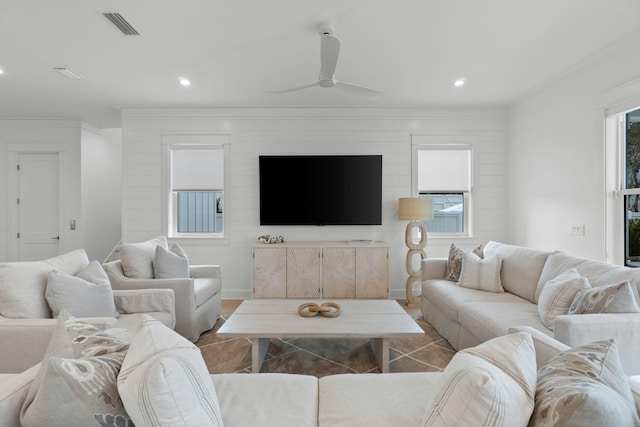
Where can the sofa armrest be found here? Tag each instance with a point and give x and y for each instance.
(580, 329)
(144, 301)
(198, 271)
(433, 268)
(24, 342)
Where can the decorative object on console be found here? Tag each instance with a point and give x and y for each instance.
(269, 239)
(415, 209)
(311, 309)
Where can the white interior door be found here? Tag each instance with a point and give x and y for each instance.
(38, 206)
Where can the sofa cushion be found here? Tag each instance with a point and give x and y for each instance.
(597, 272)
(481, 274)
(23, 284)
(164, 380)
(86, 294)
(454, 262)
(13, 392)
(389, 400)
(557, 295)
(285, 400)
(616, 298)
(137, 258)
(490, 384)
(449, 298)
(584, 386)
(521, 268)
(487, 320)
(170, 264)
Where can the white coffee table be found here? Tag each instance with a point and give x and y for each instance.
(262, 319)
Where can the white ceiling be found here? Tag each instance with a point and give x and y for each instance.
(236, 51)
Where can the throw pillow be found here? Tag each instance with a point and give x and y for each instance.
(454, 263)
(490, 384)
(164, 380)
(481, 274)
(558, 293)
(23, 284)
(617, 298)
(137, 258)
(87, 294)
(584, 386)
(172, 264)
(76, 383)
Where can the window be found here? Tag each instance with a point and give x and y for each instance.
(197, 182)
(444, 175)
(631, 190)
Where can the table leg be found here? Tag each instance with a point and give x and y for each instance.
(259, 348)
(381, 351)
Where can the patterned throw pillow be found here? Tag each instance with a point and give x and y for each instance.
(77, 381)
(558, 293)
(616, 298)
(584, 386)
(454, 263)
(491, 384)
(481, 274)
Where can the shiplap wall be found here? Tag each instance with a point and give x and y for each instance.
(252, 132)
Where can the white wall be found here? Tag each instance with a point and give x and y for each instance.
(101, 191)
(18, 135)
(309, 131)
(556, 151)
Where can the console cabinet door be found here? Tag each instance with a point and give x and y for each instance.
(303, 272)
(338, 273)
(269, 273)
(372, 273)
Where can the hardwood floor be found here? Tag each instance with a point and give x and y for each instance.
(320, 357)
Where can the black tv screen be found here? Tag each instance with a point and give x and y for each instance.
(321, 190)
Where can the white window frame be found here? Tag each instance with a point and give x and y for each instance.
(417, 146)
(186, 142)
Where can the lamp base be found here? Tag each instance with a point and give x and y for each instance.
(415, 248)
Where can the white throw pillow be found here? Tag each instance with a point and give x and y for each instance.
(137, 258)
(87, 294)
(164, 380)
(23, 284)
(172, 264)
(492, 384)
(481, 274)
(558, 293)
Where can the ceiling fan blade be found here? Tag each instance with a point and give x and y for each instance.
(329, 52)
(359, 90)
(293, 89)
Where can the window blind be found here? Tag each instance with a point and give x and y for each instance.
(197, 169)
(444, 170)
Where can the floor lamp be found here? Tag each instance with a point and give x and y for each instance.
(415, 210)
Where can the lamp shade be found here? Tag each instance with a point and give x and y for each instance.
(411, 208)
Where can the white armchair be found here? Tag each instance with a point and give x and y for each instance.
(198, 298)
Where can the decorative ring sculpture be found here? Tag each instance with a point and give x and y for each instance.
(311, 309)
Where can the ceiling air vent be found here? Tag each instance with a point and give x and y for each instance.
(69, 73)
(121, 22)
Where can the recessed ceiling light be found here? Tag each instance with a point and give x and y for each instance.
(459, 82)
(184, 81)
(1, 71)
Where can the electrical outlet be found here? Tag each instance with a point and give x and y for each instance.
(577, 230)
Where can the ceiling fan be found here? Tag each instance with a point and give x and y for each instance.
(329, 51)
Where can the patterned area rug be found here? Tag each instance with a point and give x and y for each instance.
(320, 357)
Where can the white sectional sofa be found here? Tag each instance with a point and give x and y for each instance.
(467, 317)
(282, 400)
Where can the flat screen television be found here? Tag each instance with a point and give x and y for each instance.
(321, 190)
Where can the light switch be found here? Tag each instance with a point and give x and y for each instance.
(72, 224)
